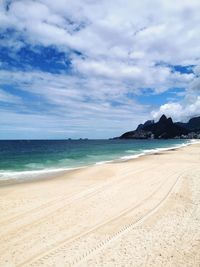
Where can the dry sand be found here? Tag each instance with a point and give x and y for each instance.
(144, 212)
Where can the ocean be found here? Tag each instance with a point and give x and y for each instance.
(31, 159)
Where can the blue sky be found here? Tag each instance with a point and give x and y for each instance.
(96, 68)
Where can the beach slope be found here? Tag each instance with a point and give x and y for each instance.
(142, 212)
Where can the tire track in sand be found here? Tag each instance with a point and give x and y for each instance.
(24, 228)
(62, 198)
(40, 258)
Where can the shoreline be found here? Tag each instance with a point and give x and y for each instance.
(45, 174)
(141, 212)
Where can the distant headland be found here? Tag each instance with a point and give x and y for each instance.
(165, 128)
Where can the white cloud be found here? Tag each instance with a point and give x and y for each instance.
(8, 98)
(187, 108)
(157, 30)
(111, 27)
(68, 106)
(179, 111)
(125, 46)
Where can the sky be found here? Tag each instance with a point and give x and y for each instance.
(95, 69)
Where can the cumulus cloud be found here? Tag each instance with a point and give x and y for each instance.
(96, 28)
(115, 49)
(187, 108)
(159, 78)
(179, 111)
(114, 28)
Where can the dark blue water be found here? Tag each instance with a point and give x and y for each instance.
(21, 156)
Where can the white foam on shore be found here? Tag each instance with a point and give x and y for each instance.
(156, 150)
(146, 152)
(135, 156)
(103, 162)
(46, 173)
(30, 175)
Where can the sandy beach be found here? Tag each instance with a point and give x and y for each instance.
(142, 212)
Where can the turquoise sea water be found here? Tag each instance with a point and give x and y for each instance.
(31, 158)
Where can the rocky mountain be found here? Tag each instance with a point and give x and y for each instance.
(192, 125)
(163, 129)
(147, 123)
